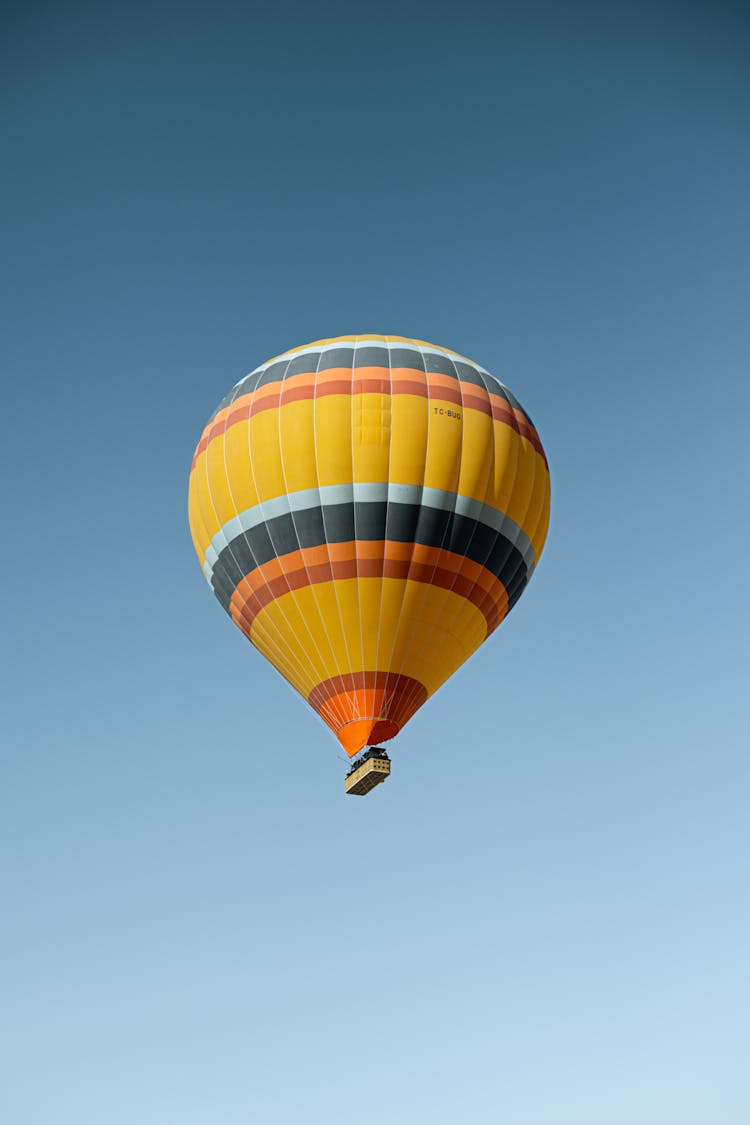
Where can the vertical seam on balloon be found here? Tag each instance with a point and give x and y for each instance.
(499, 534)
(546, 481)
(334, 585)
(342, 713)
(212, 502)
(193, 483)
(536, 459)
(390, 695)
(320, 671)
(356, 538)
(304, 670)
(311, 585)
(458, 609)
(421, 596)
(385, 530)
(449, 525)
(265, 630)
(519, 524)
(265, 627)
(205, 500)
(209, 495)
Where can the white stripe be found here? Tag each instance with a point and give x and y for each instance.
(369, 493)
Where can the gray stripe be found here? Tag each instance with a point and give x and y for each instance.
(370, 492)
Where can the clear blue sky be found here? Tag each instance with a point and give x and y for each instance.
(544, 917)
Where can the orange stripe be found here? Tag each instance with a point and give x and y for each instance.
(341, 561)
(334, 375)
(411, 374)
(341, 381)
(392, 553)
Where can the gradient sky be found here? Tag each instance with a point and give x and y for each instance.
(543, 918)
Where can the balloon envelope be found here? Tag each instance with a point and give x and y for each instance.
(368, 509)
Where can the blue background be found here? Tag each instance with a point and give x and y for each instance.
(543, 917)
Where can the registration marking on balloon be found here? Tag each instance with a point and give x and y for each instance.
(365, 546)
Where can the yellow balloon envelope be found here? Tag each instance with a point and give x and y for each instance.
(368, 509)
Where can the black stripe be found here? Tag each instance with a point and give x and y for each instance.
(439, 364)
(276, 371)
(335, 523)
(302, 364)
(371, 357)
(468, 374)
(245, 386)
(336, 357)
(405, 357)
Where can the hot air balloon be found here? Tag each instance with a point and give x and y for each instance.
(368, 509)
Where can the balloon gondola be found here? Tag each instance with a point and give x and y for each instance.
(371, 769)
(368, 509)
